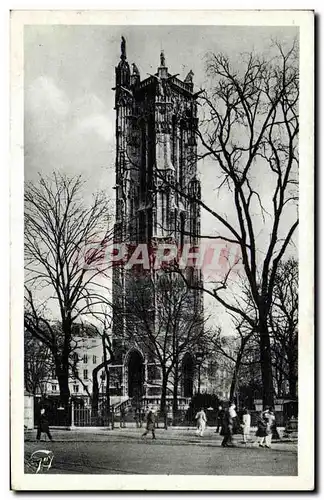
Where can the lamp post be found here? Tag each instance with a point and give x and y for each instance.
(102, 378)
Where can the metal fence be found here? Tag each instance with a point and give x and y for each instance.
(86, 417)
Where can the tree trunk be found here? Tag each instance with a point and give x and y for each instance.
(107, 392)
(292, 382)
(266, 364)
(235, 373)
(175, 390)
(62, 364)
(95, 386)
(63, 380)
(105, 360)
(64, 389)
(292, 375)
(62, 370)
(163, 408)
(95, 394)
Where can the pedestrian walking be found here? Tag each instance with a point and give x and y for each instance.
(122, 417)
(219, 418)
(150, 424)
(228, 426)
(269, 417)
(246, 424)
(261, 430)
(137, 418)
(201, 422)
(43, 425)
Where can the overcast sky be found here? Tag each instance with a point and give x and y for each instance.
(69, 74)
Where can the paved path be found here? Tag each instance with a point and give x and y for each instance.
(123, 451)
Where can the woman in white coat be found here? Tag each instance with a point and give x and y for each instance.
(246, 424)
(201, 422)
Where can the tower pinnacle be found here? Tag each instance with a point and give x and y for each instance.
(123, 49)
(162, 58)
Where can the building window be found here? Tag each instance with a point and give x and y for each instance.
(54, 387)
(85, 374)
(75, 388)
(174, 141)
(143, 160)
(182, 229)
(181, 155)
(85, 388)
(94, 359)
(76, 374)
(85, 358)
(141, 227)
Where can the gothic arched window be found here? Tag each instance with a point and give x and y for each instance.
(182, 154)
(174, 141)
(182, 229)
(143, 158)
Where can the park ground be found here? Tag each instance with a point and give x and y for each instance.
(175, 451)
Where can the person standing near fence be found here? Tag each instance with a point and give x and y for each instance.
(270, 419)
(150, 424)
(219, 418)
(43, 425)
(122, 417)
(261, 430)
(246, 425)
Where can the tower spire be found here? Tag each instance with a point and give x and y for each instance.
(123, 49)
(162, 58)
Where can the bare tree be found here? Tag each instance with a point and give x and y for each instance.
(250, 130)
(236, 349)
(62, 276)
(159, 316)
(101, 319)
(38, 365)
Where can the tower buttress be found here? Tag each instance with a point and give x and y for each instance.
(156, 123)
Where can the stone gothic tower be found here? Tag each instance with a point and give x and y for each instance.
(156, 123)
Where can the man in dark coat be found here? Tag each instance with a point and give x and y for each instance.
(261, 430)
(150, 424)
(219, 418)
(43, 425)
(228, 426)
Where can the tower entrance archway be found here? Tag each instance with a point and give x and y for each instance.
(135, 375)
(188, 375)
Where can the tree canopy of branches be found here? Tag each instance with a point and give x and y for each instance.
(61, 275)
(38, 366)
(283, 328)
(250, 131)
(101, 321)
(161, 318)
(283, 321)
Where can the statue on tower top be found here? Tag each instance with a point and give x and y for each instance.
(189, 76)
(123, 48)
(135, 69)
(162, 58)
